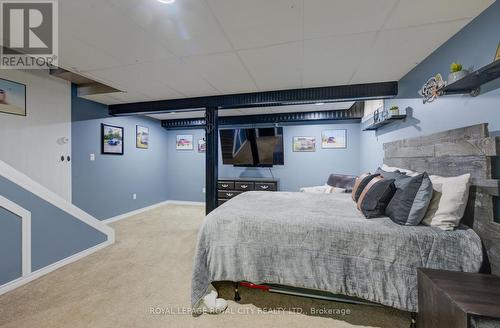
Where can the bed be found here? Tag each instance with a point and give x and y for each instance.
(321, 242)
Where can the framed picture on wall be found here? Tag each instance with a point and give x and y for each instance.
(141, 137)
(111, 139)
(184, 142)
(304, 144)
(12, 97)
(202, 145)
(497, 55)
(334, 139)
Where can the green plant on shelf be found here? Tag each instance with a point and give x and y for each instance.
(455, 67)
(394, 110)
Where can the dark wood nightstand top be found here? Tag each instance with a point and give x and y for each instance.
(474, 293)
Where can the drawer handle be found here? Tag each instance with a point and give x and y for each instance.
(228, 194)
(225, 185)
(244, 186)
(264, 187)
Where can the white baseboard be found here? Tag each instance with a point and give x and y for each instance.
(148, 208)
(184, 202)
(54, 266)
(134, 212)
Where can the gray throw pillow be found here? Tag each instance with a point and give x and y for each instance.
(409, 204)
(400, 178)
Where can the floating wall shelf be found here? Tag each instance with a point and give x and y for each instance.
(377, 125)
(471, 83)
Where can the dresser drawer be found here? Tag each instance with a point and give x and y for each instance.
(228, 194)
(222, 201)
(225, 185)
(243, 186)
(266, 186)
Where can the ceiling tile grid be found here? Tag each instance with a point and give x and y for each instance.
(193, 48)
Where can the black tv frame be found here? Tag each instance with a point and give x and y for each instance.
(254, 148)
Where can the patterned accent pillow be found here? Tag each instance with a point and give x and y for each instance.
(376, 196)
(409, 204)
(360, 184)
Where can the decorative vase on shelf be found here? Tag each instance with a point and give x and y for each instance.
(454, 77)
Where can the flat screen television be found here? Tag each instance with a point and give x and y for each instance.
(259, 147)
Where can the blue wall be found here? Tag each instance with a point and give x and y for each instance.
(55, 233)
(104, 187)
(187, 168)
(10, 246)
(304, 169)
(474, 46)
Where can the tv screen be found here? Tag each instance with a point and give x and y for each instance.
(252, 147)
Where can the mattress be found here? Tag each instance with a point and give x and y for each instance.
(322, 242)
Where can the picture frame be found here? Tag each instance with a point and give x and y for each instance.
(184, 142)
(202, 145)
(141, 137)
(334, 139)
(304, 144)
(112, 139)
(12, 97)
(497, 55)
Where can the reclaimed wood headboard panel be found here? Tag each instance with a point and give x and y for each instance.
(456, 152)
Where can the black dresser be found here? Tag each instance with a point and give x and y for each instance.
(229, 188)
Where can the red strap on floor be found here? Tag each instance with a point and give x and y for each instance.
(254, 286)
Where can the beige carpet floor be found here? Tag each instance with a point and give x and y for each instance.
(149, 270)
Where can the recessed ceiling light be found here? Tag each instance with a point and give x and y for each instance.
(319, 104)
(166, 1)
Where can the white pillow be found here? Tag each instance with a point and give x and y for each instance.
(448, 202)
(315, 190)
(334, 190)
(409, 173)
(326, 189)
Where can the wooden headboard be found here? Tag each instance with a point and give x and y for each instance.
(456, 152)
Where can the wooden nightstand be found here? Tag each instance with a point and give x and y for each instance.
(455, 299)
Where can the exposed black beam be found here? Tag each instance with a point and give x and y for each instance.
(353, 114)
(211, 158)
(261, 99)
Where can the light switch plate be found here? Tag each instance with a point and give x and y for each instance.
(92, 157)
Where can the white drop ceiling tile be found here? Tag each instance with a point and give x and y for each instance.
(342, 17)
(123, 4)
(275, 67)
(103, 27)
(333, 60)
(412, 12)
(77, 55)
(379, 66)
(185, 27)
(224, 71)
(256, 23)
(140, 78)
(130, 97)
(257, 110)
(178, 115)
(102, 98)
(180, 77)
